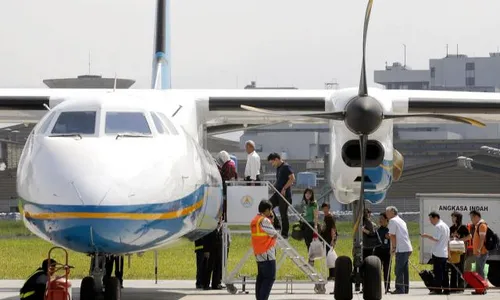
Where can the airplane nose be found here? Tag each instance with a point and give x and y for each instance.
(88, 173)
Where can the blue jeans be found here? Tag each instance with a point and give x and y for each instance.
(266, 274)
(480, 262)
(402, 274)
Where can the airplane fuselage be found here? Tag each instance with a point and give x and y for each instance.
(98, 191)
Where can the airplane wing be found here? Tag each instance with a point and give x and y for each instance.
(480, 105)
(30, 105)
(222, 108)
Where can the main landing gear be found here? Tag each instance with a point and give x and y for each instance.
(96, 286)
(366, 272)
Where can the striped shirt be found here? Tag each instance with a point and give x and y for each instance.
(267, 227)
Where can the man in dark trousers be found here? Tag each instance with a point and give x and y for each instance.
(198, 249)
(117, 261)
(383, 251)
(34, 287)
(284, 181)
(212, 260)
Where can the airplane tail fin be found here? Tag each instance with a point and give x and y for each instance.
(161, 53)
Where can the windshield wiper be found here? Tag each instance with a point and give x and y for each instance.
(141, 135)
(67, 135)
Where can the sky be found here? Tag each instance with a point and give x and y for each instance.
(228, 43)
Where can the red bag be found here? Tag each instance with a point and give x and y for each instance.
(476, 282)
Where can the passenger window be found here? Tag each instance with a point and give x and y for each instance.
(168, 123)
(45, 125)
(158, 124)
(75, 122)
(127, 122)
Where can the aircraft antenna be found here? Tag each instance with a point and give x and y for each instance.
(114, 83)
(180, 106)
(46, 106)
(89, 62)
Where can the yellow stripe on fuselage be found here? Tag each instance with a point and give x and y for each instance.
(110, 215)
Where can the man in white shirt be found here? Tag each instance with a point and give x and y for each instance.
(401, 246)
(441, 239)
(252, 168)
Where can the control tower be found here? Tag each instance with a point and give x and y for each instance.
(88, 82)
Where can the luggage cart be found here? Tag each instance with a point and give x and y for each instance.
(59, 286)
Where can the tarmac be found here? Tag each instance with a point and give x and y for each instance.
(184, 289)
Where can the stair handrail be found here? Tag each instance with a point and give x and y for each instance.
(290, 206)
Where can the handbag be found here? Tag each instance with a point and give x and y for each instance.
(316, 250)
(455, 257)
(297, 232)
(331, 257)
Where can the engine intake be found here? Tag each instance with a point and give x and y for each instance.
(351, 154)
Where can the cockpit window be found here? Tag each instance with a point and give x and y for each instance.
(127, 122)
(158, 124)
(75, 122)
(168, 123)
(45, 124)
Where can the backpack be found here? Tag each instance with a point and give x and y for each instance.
(491, 240)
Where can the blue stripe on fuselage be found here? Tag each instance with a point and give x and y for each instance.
(381, 179)
(116, 235)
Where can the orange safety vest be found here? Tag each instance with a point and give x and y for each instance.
(261, 241)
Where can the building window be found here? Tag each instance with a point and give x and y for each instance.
(433, 72)
(470, 81)
(470, 66)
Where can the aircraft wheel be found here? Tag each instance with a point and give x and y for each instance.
(494, 273)
(372, 278)
(112, 290)
(319, 289)
(87, 289)
(231, 288)
(343, 285)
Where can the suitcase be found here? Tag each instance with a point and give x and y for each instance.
(476, 282)
(428, 278)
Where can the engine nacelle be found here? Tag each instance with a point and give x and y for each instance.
(351, 154)
(397, 165)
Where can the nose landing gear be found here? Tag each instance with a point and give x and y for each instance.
(96, 285)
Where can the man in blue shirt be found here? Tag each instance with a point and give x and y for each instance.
(284, 181)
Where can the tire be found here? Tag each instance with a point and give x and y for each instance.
(87, 289)
(231, 288)
(494, 273)
(372, 278)
(343, 273)
(112, 290)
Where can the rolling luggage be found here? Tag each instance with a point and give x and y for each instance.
(476, 282)
(426, 275)
(428, 278)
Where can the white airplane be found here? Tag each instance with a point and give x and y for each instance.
(120, 172)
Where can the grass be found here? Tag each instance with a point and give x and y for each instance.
(23, 255)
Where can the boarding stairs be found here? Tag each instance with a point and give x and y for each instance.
(303, 264)
(284, 248)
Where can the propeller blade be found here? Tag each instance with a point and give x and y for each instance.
(454, 118)
(339, 115)
(363, 88)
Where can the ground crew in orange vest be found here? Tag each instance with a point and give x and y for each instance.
(263, 242)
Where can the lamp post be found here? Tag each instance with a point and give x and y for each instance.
(404, 64)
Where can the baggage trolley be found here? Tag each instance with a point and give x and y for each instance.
(58, 286)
